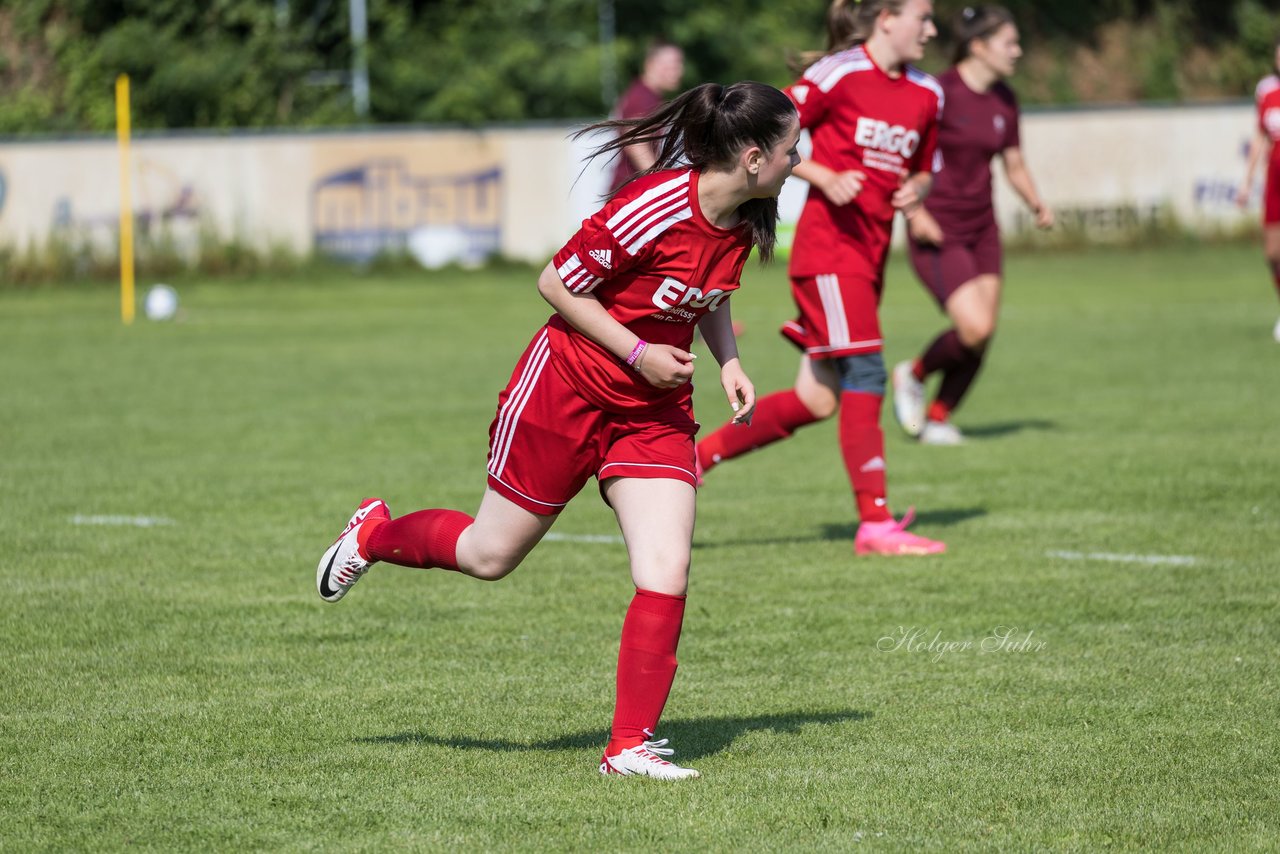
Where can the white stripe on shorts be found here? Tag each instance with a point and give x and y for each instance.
(833, 308)
(509, 417)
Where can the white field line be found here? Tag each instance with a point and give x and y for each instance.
(583, 538)
(1151, 560)
(135, 521)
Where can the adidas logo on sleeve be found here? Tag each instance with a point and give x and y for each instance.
(603, 257)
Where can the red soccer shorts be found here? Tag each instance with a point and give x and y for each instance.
(1271, 197)
(547, 440)
(962, 257)
(839, 315)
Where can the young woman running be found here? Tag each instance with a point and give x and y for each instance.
(1264, 146)
(873, 121)
(954, 240)
(604, 387)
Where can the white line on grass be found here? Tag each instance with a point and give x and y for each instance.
(583, 538)
(1154, 560)
(135, 521)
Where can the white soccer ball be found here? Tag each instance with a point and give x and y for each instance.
(161, 303)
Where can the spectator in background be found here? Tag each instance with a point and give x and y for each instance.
(1264, 145)
(663, 69)
(955, 242)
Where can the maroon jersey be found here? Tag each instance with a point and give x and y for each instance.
(977, 126)
(636, 103)
(657, 266)
(859, 118)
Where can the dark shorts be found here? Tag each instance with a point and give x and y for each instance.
(965, 254)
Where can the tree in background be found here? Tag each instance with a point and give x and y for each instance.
(283, 63)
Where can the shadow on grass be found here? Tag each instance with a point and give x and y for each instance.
(943, 518)
(693, 738)
(845, 530)
(1004, 428)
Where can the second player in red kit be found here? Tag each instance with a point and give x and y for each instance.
(1265, 147)
(873, 120)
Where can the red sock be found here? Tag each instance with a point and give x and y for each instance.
(777, 416)
(646, 667)
(862, 443)
(939, 411)
(426, 539)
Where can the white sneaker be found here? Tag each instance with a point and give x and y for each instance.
(341, 565)
(1276, 334)
(908, 398)
(941, 433)
(645, 760)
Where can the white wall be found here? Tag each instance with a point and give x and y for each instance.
(522, 191)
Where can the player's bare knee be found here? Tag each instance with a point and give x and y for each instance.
(976, 333)
(821, 406)
(493, 567)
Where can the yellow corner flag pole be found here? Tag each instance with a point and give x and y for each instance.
(126, 204)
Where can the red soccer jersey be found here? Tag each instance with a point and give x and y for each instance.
(1268, 97)
(657, 266)
(977, 126)
(860, 118)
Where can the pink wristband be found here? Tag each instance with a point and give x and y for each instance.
(634, 359)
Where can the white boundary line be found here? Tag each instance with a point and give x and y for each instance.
(1152, 560)
(135, 521)
(583, 538)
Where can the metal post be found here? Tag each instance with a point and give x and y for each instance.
(360, 58)
(608, 62)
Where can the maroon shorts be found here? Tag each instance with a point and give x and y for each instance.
(547, 440)
(1271, 198)
(839, 315)
(964, 255)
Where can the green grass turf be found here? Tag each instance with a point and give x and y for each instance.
(181, 686)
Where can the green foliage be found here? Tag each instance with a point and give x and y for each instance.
(260, 63)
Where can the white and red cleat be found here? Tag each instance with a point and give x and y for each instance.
(342, 565)
(941, 433)
(908, 398)
(645, 760)
(890, 537)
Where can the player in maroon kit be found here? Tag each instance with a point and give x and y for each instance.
(663, 68)
(873, 121)
(604, 387)
(954, 240)
(1264, 145)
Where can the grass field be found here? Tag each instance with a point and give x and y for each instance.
(180, 686)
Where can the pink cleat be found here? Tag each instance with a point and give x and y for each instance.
(891, 538)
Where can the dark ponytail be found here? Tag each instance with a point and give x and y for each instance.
(977, 22)
(706, 129)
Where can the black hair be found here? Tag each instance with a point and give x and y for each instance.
(707, 128)
(977, 22)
